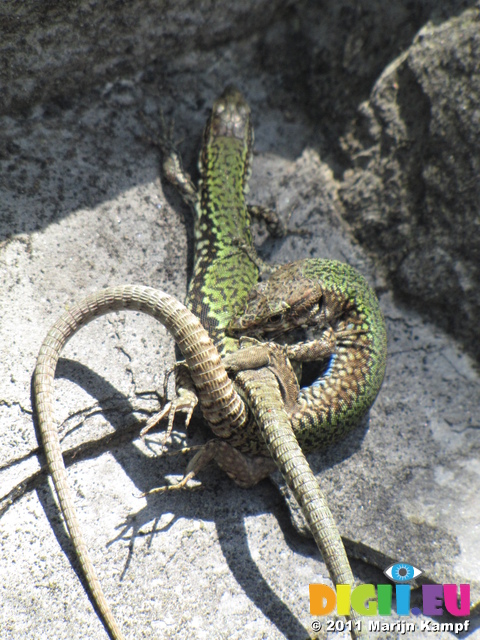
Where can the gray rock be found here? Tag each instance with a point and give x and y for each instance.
(51, 51)
(413, 195)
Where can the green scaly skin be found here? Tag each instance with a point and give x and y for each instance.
(333, 298)
(223, 273)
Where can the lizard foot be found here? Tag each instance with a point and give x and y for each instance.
(186, 401)
(350, 336)
(275, 226)
(182, 485)
(244, 470)
(204, 455)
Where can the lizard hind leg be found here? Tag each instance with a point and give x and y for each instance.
(246, 471)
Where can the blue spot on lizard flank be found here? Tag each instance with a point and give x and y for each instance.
(322, 379)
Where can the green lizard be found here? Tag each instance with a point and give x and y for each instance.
(239, 448)
(334, 300)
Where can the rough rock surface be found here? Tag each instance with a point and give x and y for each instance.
(52, 51)
(82, 207)
(413, 195)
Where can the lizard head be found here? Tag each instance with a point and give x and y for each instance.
(286, 301)
(230, 118)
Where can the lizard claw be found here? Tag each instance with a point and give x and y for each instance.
(186, 402)
(177, 486)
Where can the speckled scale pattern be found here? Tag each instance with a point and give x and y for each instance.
(223, 272)
(325, 293)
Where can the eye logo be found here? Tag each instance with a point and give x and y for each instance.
(402, 572)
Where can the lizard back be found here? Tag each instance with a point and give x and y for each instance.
(223, 272)
(347, 388)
